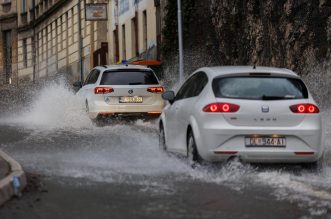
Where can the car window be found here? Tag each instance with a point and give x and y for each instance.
(184, 89)
(267, 88)
(128, 77)
(88, 76)
(92, 77)
(199, 83)
(193, 86)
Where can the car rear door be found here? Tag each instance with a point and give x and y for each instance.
(88, 87)
(182, 108)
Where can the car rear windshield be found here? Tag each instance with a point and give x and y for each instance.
(128, 77)
(259, 88)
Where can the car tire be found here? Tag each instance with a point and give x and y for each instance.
(162, 141)
(192, 151)
(315, 166)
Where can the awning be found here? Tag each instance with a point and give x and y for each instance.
(146, 62)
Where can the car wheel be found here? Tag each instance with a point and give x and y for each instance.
(192, 151)
(315, 166)
(162, 143)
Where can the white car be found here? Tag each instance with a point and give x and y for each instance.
(122, 90)
(258, 114)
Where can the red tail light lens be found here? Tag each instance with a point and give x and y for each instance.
(304, 108)
(103, 90)
(157, 90)
(221, 108)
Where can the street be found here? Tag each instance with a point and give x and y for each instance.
(117, 171)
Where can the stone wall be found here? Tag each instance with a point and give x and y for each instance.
(283, 33)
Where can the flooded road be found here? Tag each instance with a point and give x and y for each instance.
(118, 171)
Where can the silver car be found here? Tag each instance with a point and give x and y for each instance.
(122, 90)
(258, 114)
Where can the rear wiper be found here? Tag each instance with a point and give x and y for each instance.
(135, 83)
(287, 97)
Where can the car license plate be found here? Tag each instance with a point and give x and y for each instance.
(134, 99)
(265, 142)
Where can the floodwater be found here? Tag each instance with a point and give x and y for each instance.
(53, 137)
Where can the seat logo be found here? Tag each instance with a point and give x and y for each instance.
(265, 109)
(130, 91)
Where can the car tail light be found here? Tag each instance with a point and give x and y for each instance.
(103, 90)
(157, 90)
(304, 108)
(221, 108)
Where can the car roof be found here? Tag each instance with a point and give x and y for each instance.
(230, 70)
(115, 67)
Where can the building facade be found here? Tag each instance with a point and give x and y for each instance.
(8, 42)
(134, 30)
(44, 38)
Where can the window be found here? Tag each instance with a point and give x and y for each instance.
(134, 37)
(145, 30)
(25, 55)
(123, 42)
(257, 88)
(193, 86)
(23, 6)
(116, 49)
(200, 82)
(128, 77)
(92, 77)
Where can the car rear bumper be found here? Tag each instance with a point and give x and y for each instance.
(302, 145)
(265, 156)
(100, 108)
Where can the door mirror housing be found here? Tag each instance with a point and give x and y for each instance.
(169, 95)
(77, 84)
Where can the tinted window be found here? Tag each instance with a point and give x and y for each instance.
(193, 86)
(185, 89)
(128, 77)
(93, 77)
(267, 88)
(199, 83)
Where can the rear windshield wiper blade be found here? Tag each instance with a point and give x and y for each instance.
(287, 97)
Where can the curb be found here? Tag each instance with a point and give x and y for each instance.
(6, 184)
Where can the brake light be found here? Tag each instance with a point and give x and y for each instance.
(221, 108)
(103, 90)
(304, 108)
(157, 90)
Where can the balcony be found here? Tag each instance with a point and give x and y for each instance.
(6, 6)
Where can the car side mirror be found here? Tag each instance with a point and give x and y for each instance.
(169, 95)
(77, 84)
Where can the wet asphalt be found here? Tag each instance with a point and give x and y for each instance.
(88, 174)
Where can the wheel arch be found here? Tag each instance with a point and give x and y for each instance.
(194, 128)
(163, 124)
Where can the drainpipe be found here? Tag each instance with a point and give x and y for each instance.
(80, 43)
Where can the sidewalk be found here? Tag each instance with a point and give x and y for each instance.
(12, 178)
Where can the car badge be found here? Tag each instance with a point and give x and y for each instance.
(265, 109)
(130, 91)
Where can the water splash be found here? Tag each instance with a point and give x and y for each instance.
(55, 106)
